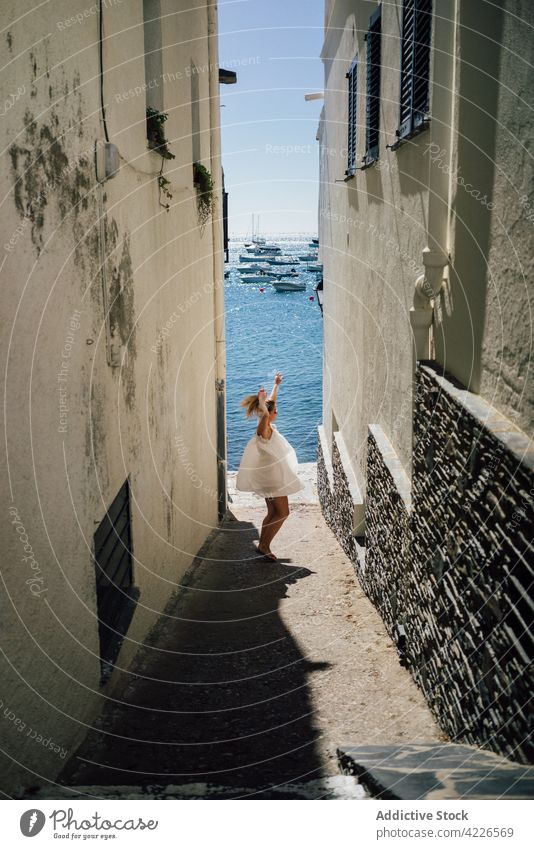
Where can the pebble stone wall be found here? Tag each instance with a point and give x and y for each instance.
(451, 568)
(388, 538)
(336, 499)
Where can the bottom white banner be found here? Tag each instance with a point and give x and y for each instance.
(264, 824)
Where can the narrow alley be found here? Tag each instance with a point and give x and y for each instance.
(285, 247)
(254, 676)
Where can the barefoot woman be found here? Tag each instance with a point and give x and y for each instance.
(269, 466)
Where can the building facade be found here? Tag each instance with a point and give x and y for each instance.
(112, 348)
(425, 463)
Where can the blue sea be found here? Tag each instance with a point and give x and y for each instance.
(273, 331)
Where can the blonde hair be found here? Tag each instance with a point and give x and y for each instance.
(252, 405)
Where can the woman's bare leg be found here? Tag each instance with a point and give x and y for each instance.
(280, 505)
(271, 515)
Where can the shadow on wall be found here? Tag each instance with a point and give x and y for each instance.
(459, 340)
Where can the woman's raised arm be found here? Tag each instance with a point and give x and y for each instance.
(277, 381)
(263, 426)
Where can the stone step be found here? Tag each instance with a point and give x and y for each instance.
(436, 771)
(332, 787)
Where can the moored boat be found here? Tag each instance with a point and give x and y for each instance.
(283, 274)
(266, 248)
(288, 285)
(281, 260)
(251, 267)
(261, 277)
(319, 292)
(255, 257)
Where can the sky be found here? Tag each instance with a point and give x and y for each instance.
(270, 153)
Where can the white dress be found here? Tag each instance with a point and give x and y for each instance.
(269, 467)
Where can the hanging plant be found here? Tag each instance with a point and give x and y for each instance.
(163, 186)
(203, 182)
(155, 133)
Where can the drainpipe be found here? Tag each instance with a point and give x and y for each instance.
(218, 257)
(436, 254)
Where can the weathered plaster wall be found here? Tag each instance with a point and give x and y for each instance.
(152, 417)
(374, 226)
(507, 348)
(372, 234)
(484, 331)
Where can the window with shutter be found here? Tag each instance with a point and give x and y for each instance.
(415, 67)
(352, 78)
(372, 117)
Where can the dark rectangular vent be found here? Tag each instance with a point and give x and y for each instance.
(116, 596)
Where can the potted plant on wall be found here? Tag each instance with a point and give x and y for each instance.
(158, 143)
(203, 183)
(155, 133)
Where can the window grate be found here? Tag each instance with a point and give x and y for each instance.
(372, 122)
(415, 67)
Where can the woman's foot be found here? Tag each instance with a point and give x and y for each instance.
(267, 554)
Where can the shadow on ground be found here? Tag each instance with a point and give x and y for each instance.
(219, 692)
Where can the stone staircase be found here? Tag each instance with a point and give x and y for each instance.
(447, 771)
(334, 787)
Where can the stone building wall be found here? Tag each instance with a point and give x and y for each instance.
(450, 568)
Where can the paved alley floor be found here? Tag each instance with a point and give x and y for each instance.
(259, 672)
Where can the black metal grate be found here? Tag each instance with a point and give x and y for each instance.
(415, 66)
(115, 594)
(372, 127)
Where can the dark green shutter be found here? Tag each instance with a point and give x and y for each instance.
(415, 66)
(372, 124)
(352, 77)
(407, 46)
(421, 67)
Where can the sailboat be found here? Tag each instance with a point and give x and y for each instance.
(258, 244)
(256, 239)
